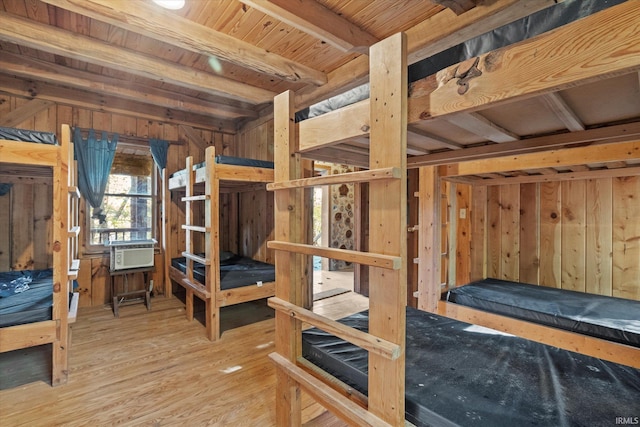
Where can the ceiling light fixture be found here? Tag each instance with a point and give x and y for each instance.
(170, 4)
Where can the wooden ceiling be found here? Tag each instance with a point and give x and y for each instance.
(218, 64)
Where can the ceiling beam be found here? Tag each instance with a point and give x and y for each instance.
(158, 24)
(314, 19)
(574, 54)
(29, 33)
(24, 112)
(434, 138)
(31, 68)
(98, 102)
(457, 6)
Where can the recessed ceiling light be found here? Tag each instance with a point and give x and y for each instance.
(170, 4)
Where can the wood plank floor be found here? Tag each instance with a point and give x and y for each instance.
(155, 368)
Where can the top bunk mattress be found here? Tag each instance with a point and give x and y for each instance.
(25, 296)
(613, 319)
(230, 160)
(25, 135)
(459, 374)
(235, 271)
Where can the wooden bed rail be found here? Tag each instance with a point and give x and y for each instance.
(348, 410)
(362, 339)
(580, 343)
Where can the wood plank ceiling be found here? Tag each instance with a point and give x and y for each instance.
(218, 64)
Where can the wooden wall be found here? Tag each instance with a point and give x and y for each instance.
(582, 235)
(30, 220)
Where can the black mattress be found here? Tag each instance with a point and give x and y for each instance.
(235, 270)
(31, 305)
(613, 319)
(230, 160)
(459, 374)
(25, 135)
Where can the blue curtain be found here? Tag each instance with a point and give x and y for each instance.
(159, 150)
(4, 189)
(95, 157)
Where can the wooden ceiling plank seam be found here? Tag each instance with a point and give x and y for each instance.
(559, 107)
(39, 36)
(166, 27)
(48, 72)
(314, 19)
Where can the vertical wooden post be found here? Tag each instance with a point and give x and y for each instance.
(60, 260)
(166, 238)
(212, 243)
(429, 240)
(188, 220)
(288, 219)
(388, 223)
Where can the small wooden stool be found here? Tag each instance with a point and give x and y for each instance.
(125, 297)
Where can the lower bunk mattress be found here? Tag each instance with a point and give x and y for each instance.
(613, 319)
(235, 271)
(25, 296)
(459, 374)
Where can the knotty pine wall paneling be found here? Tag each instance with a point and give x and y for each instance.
(581, 235)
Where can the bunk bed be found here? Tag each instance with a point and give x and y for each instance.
(217, 277)
(37, 306)
(455, 93)
(610, 318)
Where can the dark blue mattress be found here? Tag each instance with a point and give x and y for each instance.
(235, 270)
(613, 319)
(230, 160)
(459, 374)
(25, 135)
(32, 305)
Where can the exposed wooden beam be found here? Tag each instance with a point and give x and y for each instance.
(50, 39)
(560, 108)
(625, 132)
(35, 69)
(479, 125)
(98, 102)
(433, 35)
(24, 112)
(457, 6)
(314, 19)
(573, 54)
(153, 22)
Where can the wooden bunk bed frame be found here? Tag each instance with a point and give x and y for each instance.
(64, 249)
(433, 97)
(215, 178)
(592, 346)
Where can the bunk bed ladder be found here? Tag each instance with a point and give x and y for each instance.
(207, 290)
(73, 215)
(387, 259)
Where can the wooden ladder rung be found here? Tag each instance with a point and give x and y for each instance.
(196, 258)
(74, 191)
(363, 340)
(367, 258)
(195, 198)
(196, 228)
(343, 178)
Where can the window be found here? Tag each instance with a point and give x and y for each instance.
(128, 204)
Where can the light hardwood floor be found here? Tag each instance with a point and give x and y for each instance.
(155, 368)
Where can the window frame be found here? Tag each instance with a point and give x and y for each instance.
(91, 248)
